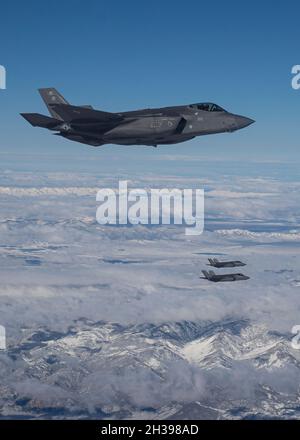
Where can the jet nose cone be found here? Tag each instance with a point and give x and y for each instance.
(243, 122)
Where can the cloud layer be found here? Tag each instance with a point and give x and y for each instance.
(60, 268)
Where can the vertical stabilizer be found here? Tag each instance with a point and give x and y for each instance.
(52, 96)
(206, 274)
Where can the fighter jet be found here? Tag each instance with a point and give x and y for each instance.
(156, 126)
(211, 276)
(216, 263)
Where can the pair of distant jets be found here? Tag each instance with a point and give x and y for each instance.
(211, 276)
(156, 126)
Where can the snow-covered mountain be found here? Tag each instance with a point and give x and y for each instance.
(174, 370)
(112, 321)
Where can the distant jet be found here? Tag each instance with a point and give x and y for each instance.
(216, 263)
(167, 125)
(211, 276)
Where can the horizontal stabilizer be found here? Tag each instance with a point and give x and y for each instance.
(38, 120)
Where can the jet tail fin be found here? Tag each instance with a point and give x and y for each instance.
(206, 274)
(211, 273)
(38, 120)
(211, 261)
(50, 97)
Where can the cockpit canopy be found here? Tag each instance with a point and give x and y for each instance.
(207, 107)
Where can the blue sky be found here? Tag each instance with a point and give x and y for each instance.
(124, 55)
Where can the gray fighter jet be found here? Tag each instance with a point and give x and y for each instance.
(211, 276)
(168, 125)
(216, 263)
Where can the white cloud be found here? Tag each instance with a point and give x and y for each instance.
(58, 266)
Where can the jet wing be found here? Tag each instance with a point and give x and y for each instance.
(72, 113)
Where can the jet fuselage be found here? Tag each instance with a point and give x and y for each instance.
(167, 125)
